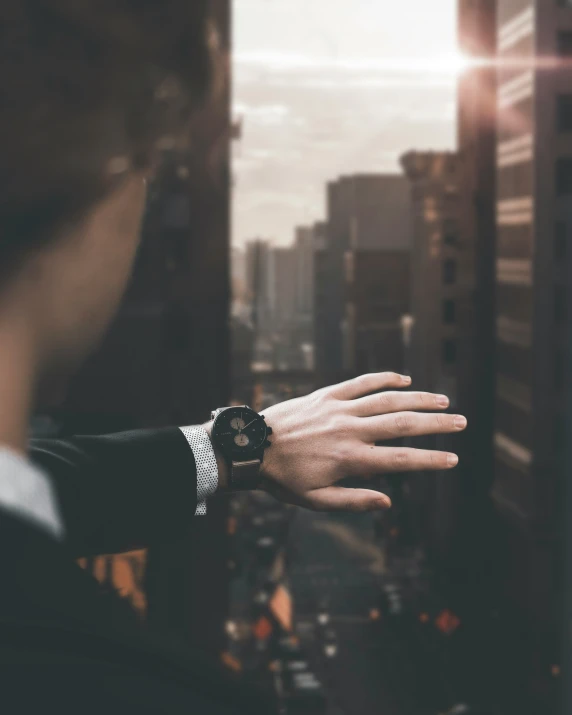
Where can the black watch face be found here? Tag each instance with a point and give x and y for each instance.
(239, 431)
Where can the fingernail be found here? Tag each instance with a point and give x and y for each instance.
(460, 422)
(406, 378)
(384, 504)
(452, 460)
(443, 401)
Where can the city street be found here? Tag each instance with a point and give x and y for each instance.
(337, 573)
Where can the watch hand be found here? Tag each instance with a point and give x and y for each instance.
(248, 425)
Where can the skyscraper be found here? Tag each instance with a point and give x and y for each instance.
(364, 212)
(260, 283)
(534, 217)
(435, 280)
(305, 247)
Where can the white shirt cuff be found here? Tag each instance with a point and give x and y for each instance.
(205, 460)
(27, 492)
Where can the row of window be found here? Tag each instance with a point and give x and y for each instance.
(449, 271)
(564, 176)
(449, 314)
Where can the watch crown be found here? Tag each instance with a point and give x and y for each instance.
(263, 417)
(268, 443)
(269, 431)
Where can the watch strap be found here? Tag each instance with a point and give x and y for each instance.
(245, 476)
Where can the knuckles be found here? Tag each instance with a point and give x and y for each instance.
(444, 422)
(404, 423)
(386, 401)
(402, 460)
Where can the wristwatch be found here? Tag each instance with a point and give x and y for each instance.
(241, 434)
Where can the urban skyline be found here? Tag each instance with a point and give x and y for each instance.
(317, 104)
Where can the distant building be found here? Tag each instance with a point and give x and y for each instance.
(364, 212)
(305, 248)
(453, 333)
(477, 127)
(243, 344)
(432, 357)
(377, 296)
(435, 283)
(285, 287)
(260, 283)
(238, 275)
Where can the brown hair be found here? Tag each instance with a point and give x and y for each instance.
(87, 90)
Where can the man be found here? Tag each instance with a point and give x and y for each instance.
(88, 88)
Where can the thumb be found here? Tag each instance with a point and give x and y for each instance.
(346, 499)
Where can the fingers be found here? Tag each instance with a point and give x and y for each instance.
(370, 461)
(365, 384)
(409, 424)
(386, 402)
(344, 499)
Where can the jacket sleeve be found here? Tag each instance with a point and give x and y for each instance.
(121, 492)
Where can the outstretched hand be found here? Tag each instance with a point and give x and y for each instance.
(331, 434)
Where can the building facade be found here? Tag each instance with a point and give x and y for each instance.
(377, 296)
(435, 281)
(260, 283)
(364, 212)
(305, 248)
(534, 219)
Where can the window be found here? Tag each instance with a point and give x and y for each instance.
(564, 113)
(450, 233)
(560, 307)
(449, 271)
(560, 241)
(449, 351)
(565, 44)
(449, 312)
(564, 177)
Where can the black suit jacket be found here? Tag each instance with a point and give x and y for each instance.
(67, 646)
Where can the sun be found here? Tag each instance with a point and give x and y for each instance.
(460, 62)
(454, 63)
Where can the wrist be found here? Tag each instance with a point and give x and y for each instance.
(222, 464)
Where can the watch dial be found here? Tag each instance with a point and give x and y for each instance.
(240, 431)
(237, 423)
(241, 440)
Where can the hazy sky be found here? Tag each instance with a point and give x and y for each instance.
(331, 87)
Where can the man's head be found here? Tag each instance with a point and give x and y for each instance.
(88, 91)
